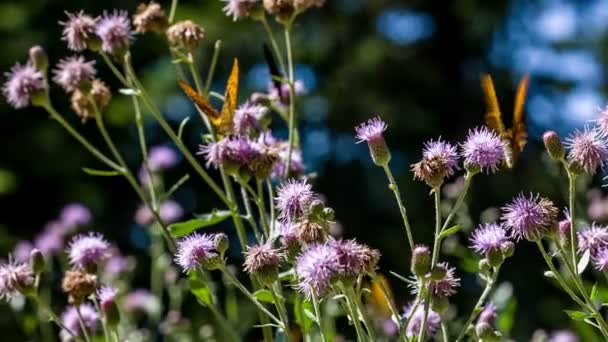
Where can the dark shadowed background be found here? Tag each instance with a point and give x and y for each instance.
(414, 63)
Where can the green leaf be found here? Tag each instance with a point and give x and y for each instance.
(264, 296)
(199, 289)
(577, 315)
(180, 229)
(582, 264)
(175, 187)
(310, 315)
(594, 291)
(101, 173)
(449, 231)
(299, 313)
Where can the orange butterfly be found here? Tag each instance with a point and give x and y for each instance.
(222, 121)
(381, 293)
(515, 138)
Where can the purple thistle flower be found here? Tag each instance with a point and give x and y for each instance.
(50, 241)
(141, 300)
(170, 211)
(161, 158)
(239, 9)
(372, 132)
(87, 250)
(107, 296)
(488, 315)
(317, 267)
(489, 237)
(443, 151)
(194, 251)
(588, 149)
(238, 150)
(23, 82)
(483, 149)
(118, 264)
(565, 225)
(413, 328)
(281, 96)
(293, 198)
(78, 30)
(445, 287)
(282, 149)
(602, 122)
(355, 259)
(71, 321)
(22, 251)
(74, 215)
(15, 277)
(263, 261)
(600, 259)
(592, 238)
(248, 116)
(529, 217)
(563, 336)
(114, 30)
(74, 73)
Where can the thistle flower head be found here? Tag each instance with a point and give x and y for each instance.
(78, 29)
(107, 296)
(22, 83)
(588, 149)
(563, 336)
(74, 73)
(602, 121)
(141, 300)
(150, 17)
(239, 9)
(317, 267)
(70, 320)
(280, 8)
(417, 316)
(483, 149)
(75, 214)
(15, 277)
(355, 259)
(372, 132)
(600, 259)
(196, 250)
(293, 198)
(248, 117)
(233, 150)
(88, 250)
(114, 30)
(81, 101)
(185, 34)
(78, 285)
(488, 315)
(592, 238)
(439, 160)
(565, 225)
(446, 286)
(489, 237)
(161, 158)
(421, 260)
(529, 217)
(263, 261)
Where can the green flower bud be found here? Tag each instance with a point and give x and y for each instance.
(438, 272)
(37, 261)
(553, 145)
(421, 261)
(39, 58)
(495, 257)
(221, 243)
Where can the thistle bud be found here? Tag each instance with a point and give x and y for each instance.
(112, 314)
(185, 34)
(575, 167)
(372, 132)
(328, 214)
(485, 332)
(107, 304)
(37, 261)
(421, 260)
(484, 266)
(316, 208)
(553, 145)
(508, 249)
(438, 272)
(39, 58)
(262, 261)
(150, 17)
(221, 243)
(495, 257)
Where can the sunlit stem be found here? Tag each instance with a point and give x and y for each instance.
(280, 305)
(292, 99)
(83, 326)
(273, 42)
(216, 53)
(395, 188)
(318, 319)
(172, 11)
(104, 322)
(352, 310)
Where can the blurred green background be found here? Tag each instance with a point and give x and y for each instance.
(414, 63)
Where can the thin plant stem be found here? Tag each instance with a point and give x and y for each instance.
(216, 53)
(248, 211)
(465, 189)
(83, 326)
(273, 42)
(292, 98)
(482, 299)
(361, 336)
(444, 332)
(411, 315)
(278, 300)
(44, 307)
(250, 296)
(172, 11)
(571, 199)
(114, 69)
(104, 320)
(557, 275)
(271, 204)
(368, 323)
(315, 304)
(262, 208)
(196, 75)
(406, 223)
(389, 300)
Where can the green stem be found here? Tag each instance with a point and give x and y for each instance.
(389, 300)
(216, 53)
(83, 326)
(411, 315)
(482, 298)
(465, 189)
(44, 307)
(315, 304)
(406, 223)
(172, 11)
(278, 300)
(361, 336)
(262, 208)
(368, 323)
(444, 332)
(114, 69)
(571, 199)
(558, 276)
(250, 296)
(250, 217)
(292, 99)
(271, 203)
(273, 43)
(104, 323)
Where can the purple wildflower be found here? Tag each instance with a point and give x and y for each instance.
(417, 316)
(161, 158)
(355, 259)
(141, 300)
(78, 30)
(194, 251)
(75, 214)
(446, 286)
(600, 259)
(71, 321)
(263, 261)
(49, 241)
(565, 225)
(23, 82)
(15, 277)
(588, 149)
(563, 336)
(602, 122)
(372, 131)
(74, 73)
(22, 251)
(316, 268)
(107, 296)
(529, 217)
(592, 238)
(118, 264)
(281, 96)
(86, 250)
(170, 211)
(293, 198)
(483, 149)
(489, 238)
(238, 150)
(114, 30)
(239, 9)
(488, 315)
(248, 116)
(439, 160)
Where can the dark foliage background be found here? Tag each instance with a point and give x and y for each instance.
(415, 63)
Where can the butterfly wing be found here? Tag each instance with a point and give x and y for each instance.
(201, 103)
(230, 100)
(519, 134)
(493, 116)
(381, 293)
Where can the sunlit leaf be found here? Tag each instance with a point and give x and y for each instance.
(101, 173)
(577, 315)
(449, 231)
(180, 229)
